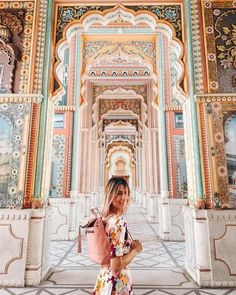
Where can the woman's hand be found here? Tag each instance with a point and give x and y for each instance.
(118, 263)
(136, 246)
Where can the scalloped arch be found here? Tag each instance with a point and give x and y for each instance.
(117, 14)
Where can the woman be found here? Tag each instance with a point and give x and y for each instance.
(115, 279)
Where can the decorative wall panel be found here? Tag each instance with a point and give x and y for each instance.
(170, 13)
(139, 89)
(106, 105)
(180, 160)
(67, 14)
(18, 17)
(219, 123)
(220, 30)
(196, 38)
(145, 49)
(14, 228)
(124, 122)
(230, 150)
(58, 158)
(12, 118)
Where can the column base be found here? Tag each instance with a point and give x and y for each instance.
(210, 252)
(63, 210)
(152, 208)
(171, 219)
(24, 251)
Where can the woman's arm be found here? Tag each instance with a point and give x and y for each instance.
(120, 262)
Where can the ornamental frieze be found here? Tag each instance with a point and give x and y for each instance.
(66, 14)
(139, 89)
(132, 122)
(106, 105)
(146, 48)
(120, 138)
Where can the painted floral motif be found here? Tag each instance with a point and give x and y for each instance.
(120, 284)
(70, 13)
(11, 129)
(220, 26)
(171, 13)
(221, 196)
(207, 4)
(106, 105)
(228, 49)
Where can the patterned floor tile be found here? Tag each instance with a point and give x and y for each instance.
(18, 291)
(217, 292)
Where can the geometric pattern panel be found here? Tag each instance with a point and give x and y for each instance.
(58, 159)
(180, 160)
(11, 136)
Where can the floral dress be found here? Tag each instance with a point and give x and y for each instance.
(107, 283)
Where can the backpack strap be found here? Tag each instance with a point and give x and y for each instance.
(79, 240)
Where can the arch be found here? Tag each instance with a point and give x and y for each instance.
(121, 15)
(120, 148)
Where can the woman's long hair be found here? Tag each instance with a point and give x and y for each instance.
(111, 191)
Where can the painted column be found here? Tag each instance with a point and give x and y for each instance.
(140, 177)
(41, 161)
(161, 118)
(75, 152)
(164, 214)
(190, 112)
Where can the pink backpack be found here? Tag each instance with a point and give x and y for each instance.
(98, 242)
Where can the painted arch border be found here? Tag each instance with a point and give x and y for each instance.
(87, 21)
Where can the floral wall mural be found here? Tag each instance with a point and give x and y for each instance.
(220, 34)
(12, 118)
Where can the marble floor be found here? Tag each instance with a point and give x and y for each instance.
(158, 270)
